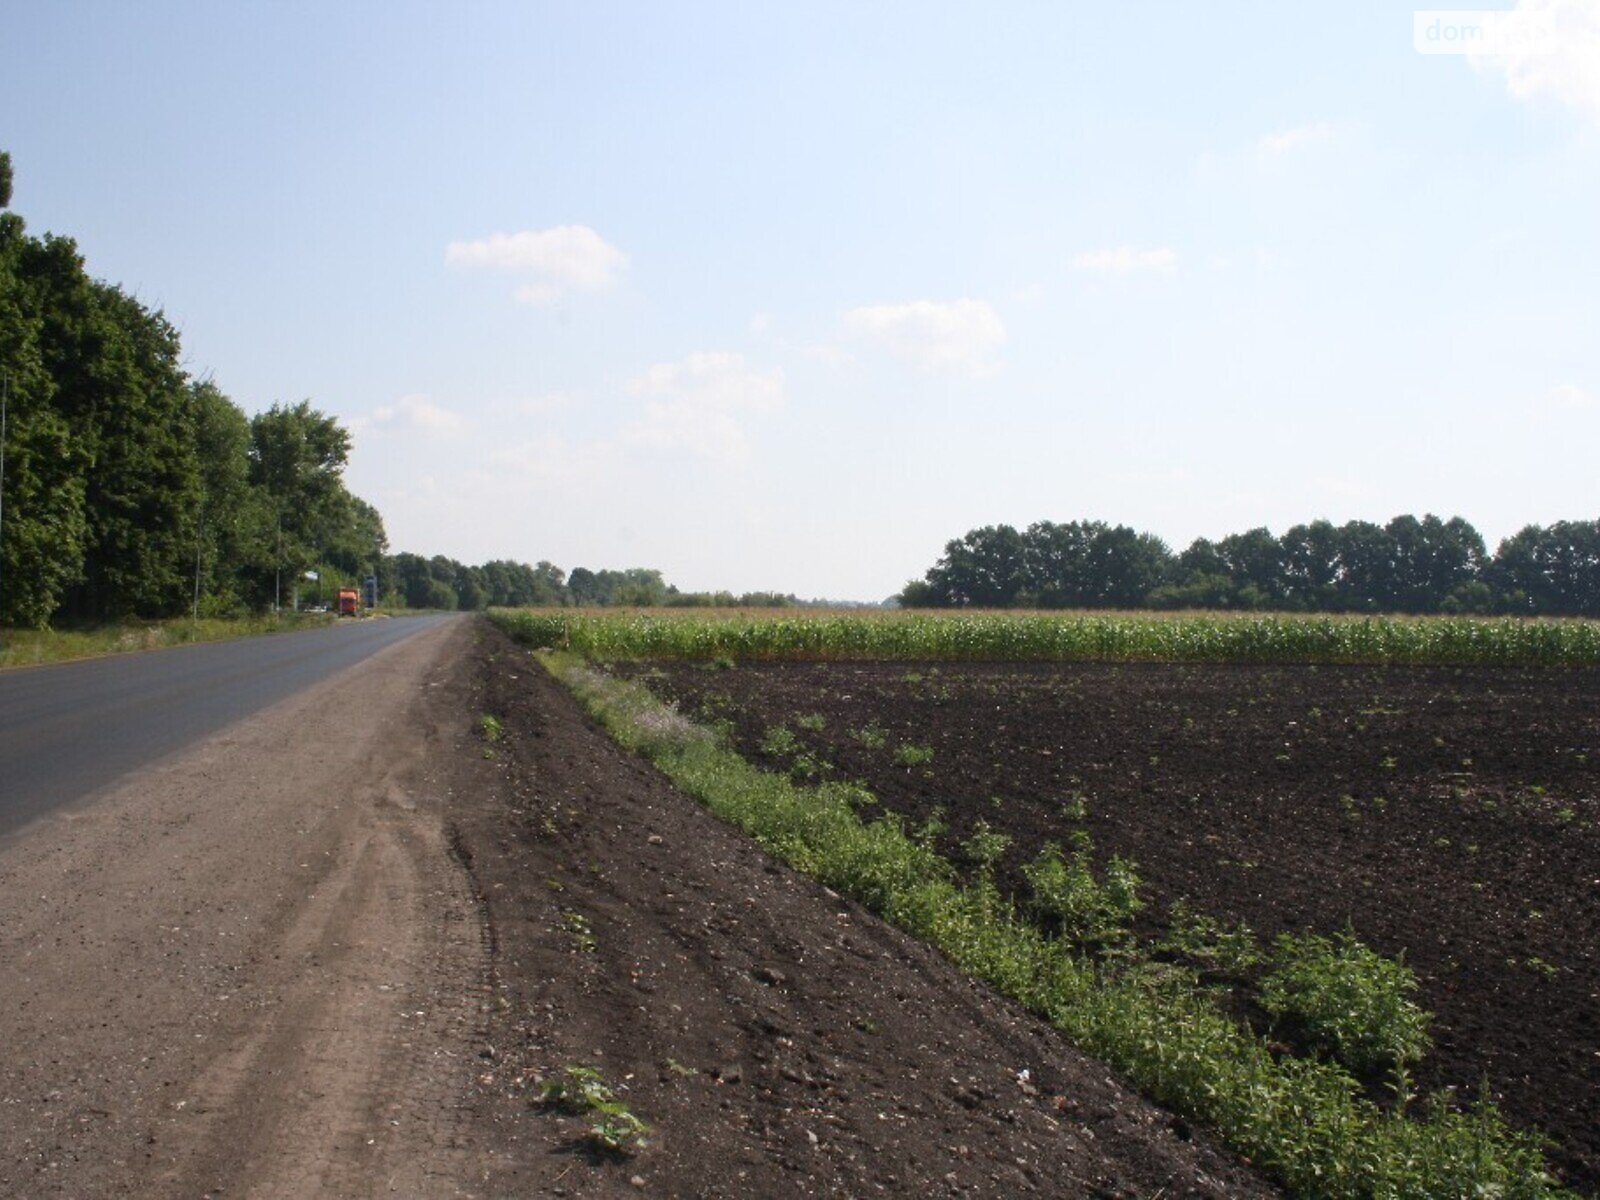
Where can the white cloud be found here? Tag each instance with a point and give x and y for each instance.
(697, 405)
(1549, 50)
(1286, 140)
(550, 460)
(565, 258)
(957, 335)
(1125, 260)
(826, 353)
(1569, 397)
(542, 406)
(414, 412)
(537, 294)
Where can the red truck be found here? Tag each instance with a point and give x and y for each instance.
(349, 603)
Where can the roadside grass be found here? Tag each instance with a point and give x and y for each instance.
(35, 647)
(1305, 1121)
(1057, 637)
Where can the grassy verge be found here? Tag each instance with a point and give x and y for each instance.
(30, 647)
(1059, 637)
(1304, 1121)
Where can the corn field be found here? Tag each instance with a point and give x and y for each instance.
(753, 635)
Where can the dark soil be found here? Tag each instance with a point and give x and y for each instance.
(779, 1039)
(1449, 816)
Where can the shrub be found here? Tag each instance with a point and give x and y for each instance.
(1349, 998)
(1067, 896)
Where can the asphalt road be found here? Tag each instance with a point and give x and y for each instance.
(70, 729)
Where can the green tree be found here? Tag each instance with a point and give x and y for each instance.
(1553, 571)
(228, 536)
(584, 585)
(1432, 558)
(1059, 563)
(985, 569)
(143, 489)
(411, 579)
(297, 459)
(119, 386)
(638, 587)
(1254, 561)
(42, 507)
(471, 595)
(1310, 558)
(125, 479)
(1366, 567)
(352, 537)
(1129, 566)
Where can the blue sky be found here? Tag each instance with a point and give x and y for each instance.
(787, 296)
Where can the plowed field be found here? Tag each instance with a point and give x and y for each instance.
(1450, 816)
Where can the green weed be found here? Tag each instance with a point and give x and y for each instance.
(582, 935)
(779, 742)
(1069, 897)
(582, 1091)
(1349, 998)
(908, 755)
(1204, 939)
(984, 847)
(872, 736)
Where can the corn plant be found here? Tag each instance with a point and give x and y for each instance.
(1058, 637)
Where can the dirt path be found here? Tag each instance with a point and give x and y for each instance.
(256, 968)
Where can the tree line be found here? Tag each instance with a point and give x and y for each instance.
(131, 488)
(440, 582)
(1405, 566)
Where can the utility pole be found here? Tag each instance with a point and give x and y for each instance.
(5, 399)
(199, 541)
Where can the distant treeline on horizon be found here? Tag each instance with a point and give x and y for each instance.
(440, 582)
(1406, 566)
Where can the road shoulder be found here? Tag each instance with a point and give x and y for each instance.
(256, 965)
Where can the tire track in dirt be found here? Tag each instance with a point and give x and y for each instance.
(256, 968)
